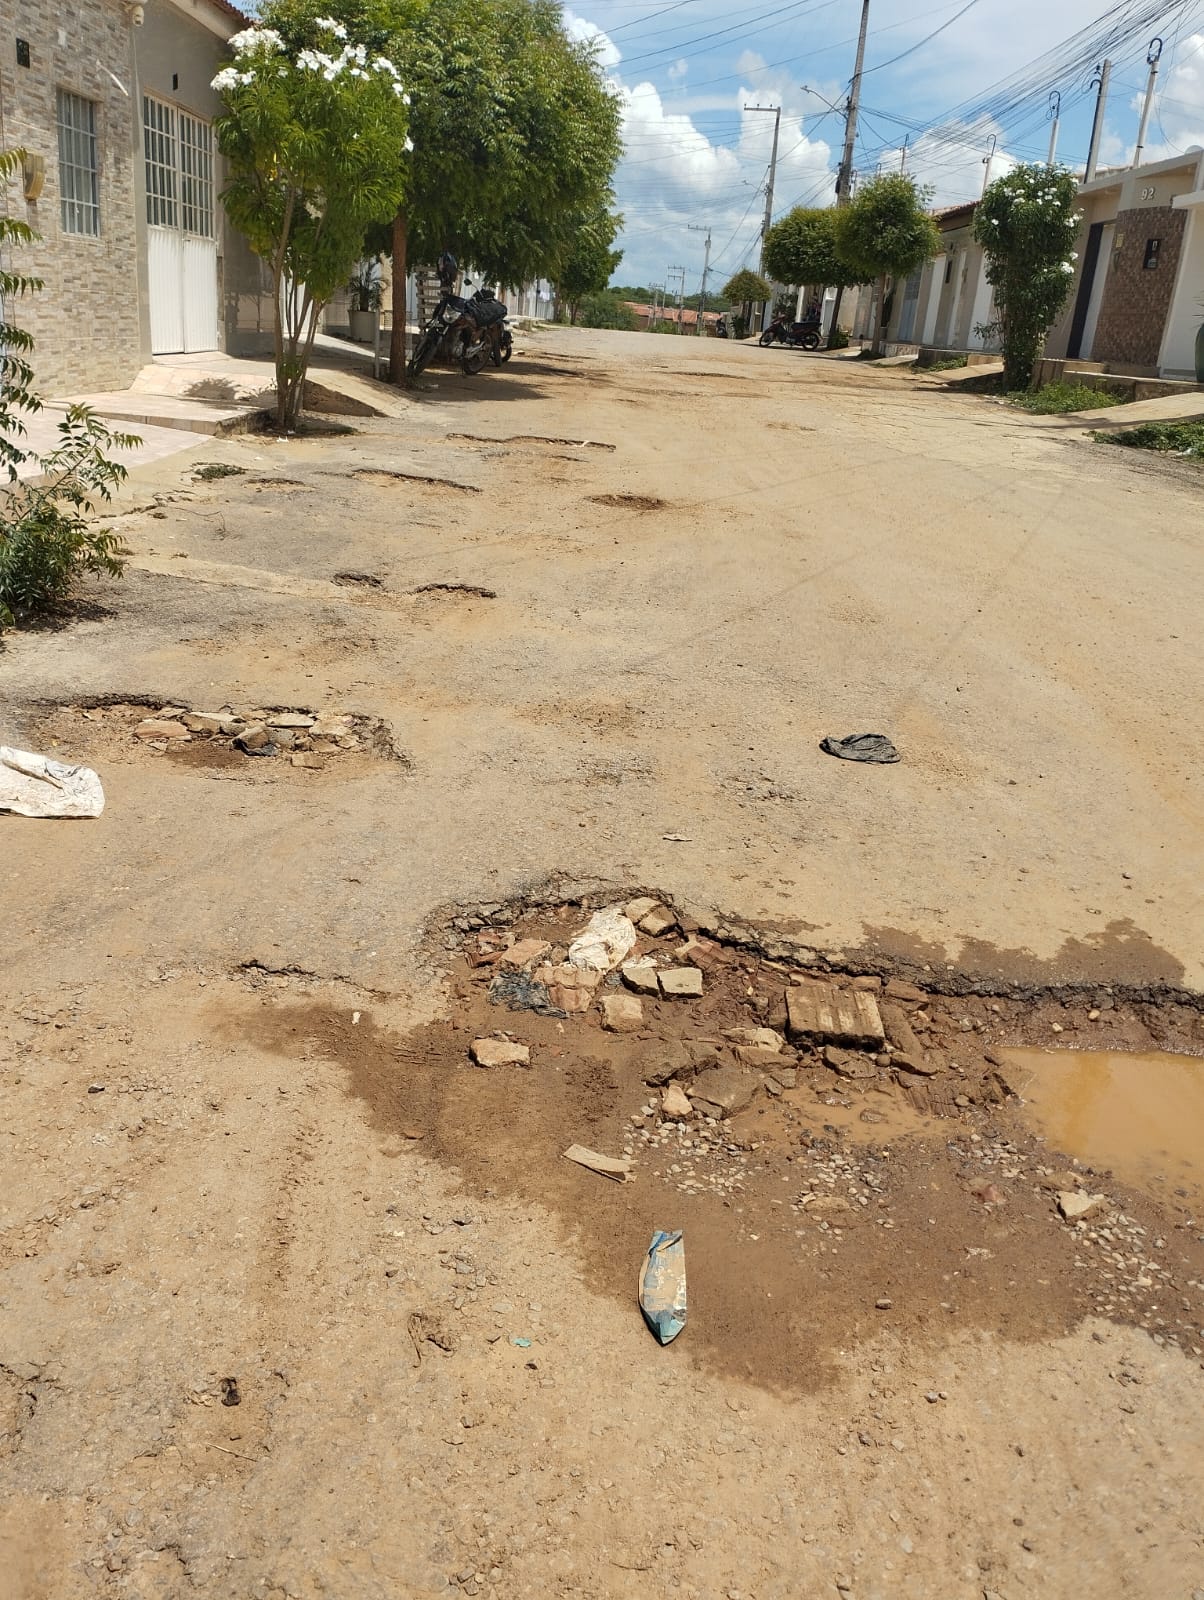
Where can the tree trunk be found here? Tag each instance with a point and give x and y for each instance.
(397, 334)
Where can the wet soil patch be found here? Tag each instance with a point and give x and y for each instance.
(628, 502)
(830, 1209)
(387, 479)
(210, 471)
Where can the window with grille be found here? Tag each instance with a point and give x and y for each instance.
(159, 145)
(79, 186)
(196, 175)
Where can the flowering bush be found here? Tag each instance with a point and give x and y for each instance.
(315, 136)
(1027, 224)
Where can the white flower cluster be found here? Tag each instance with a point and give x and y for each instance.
(353, 60)
(331, 26)
(257, 42)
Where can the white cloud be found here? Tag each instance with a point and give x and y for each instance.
(678, 70)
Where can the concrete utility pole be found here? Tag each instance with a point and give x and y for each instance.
(767, 220)
(988, 161)
(1100, 81)
(903, 160)
(680, 274)
(1055, 112)
(695, 227)
(1154, 56)
(844, 177)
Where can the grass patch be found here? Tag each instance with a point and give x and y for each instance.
(945, 364)
(1168, 438)
(1058, 398)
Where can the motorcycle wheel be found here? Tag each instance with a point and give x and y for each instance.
(424, 353)
(766, 339)
(811, 341)
(471, 364)
(507, 347)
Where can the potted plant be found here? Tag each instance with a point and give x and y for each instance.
(364, 289)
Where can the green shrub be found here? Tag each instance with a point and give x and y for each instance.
(1168, 438)
(945, 364)
(1057, 398)
(46, 542)
(838, 339)
(605, 310)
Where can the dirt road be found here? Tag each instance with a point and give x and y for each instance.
(573, 632)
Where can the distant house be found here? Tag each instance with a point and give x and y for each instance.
(669, 316)
(111, 101)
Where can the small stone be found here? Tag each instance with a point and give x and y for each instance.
(915, 1064)
(254, 737)
(760, 1060)
(786, 1076)
(684, 983)
(637, 910)
(1093, 1016)
(658, 922)
(849, 1063)
(640, 977)
(675, 1104)
(500, 1053)
(867, 983)
(622, 1013)
(962, 1102)
(755, 1038)
(882, 1060)
(1056, 1027)
(291, 719)
(1074, 1204)
(772, 1086)
(883, 1303)
(307, 759)
(154, 728)
(671, 1059)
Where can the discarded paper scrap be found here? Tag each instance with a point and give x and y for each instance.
(662, 1291)
(35, 786)
(606, 1165)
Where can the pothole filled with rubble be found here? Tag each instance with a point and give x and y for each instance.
(225, 738)
(847, 1154)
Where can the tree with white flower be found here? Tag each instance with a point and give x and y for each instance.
(1027, 224)
(315, 137)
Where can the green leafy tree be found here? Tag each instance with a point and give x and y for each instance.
(46, 540)
(885, 233)
(587, 264)
(517, 136)
(801, 249)
(315, 136)
(746, 289)
(604, 309)
(1027, 223)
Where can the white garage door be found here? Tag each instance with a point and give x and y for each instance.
(181, 238)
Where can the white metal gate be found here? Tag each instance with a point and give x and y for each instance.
(181, 238)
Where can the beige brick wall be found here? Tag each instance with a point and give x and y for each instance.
(86, 320)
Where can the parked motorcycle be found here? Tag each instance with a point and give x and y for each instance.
(797, 335)
(472, 331)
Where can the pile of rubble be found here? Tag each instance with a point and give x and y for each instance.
(308, 738)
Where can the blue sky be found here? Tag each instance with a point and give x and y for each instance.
(695, 156)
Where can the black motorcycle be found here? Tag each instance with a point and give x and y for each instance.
(471, 331)
(797, 335)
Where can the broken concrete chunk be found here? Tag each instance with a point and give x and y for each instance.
(573, 1001)
(849, 1063)
(204, 722)
(640, 976)
(683, 983)
(621, 1013)
(500, 1053)
(306, 758)
(896, 989)
(675, 1104)
(918, 1065)
(723, 1091)
(607, 1166)
(671, 1059)
(1074, 1204)
(254, 737)
(899, 1032)
(523, 954)
(821, 1011)
(291, 719)
(658, 922)
(755, 1038)
(157, 728)
(638, 909)
(762, 1060)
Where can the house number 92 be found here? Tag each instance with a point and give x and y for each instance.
(1148, 193)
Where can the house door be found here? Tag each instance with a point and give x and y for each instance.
(181, 242)
(1091, 290)
(907, 315)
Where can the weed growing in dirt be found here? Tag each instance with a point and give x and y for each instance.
(1168, 438)
(212, 470)
(1058, 398)
(945, 364)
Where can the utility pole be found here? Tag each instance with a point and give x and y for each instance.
(1055, 112)
(1153, 57)
(903, 161)
(1100, 81)
(987, 162)
(767, 220)
(680, 274)
(695, 227)
(845, 175)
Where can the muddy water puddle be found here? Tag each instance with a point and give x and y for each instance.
(1142, 1115)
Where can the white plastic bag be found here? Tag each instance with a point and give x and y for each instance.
(35, 786)
(607, 938)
